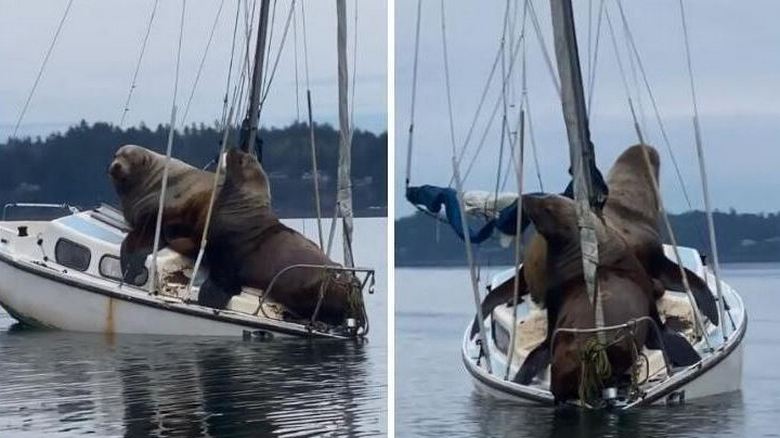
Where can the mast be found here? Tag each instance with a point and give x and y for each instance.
(586, 194)
(344, 195)
(253, 112)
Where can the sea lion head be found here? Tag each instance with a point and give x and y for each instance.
(245, 173)
(130, 164)
(630, 186)
(633, 160)
(555, 247)
(555, 219)
(554, 216)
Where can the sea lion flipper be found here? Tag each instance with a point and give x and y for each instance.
(213, 295)
(536, 362)
(678, 350)
(503, 293)
(669, 275)
(132, 254)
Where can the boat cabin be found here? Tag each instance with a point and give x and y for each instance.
(72, 264)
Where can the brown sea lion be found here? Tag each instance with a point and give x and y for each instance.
(625, 287)
(136, 173)
(248, 246)
(633, 208)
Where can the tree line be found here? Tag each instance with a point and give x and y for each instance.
(421, 240)
(71, 166)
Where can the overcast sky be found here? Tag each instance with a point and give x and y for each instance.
(735, 48)
(734, 44)
(89, 73)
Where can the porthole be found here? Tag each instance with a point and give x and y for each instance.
(111, 267)
(72, 255)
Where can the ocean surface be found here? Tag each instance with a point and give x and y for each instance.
(71, 384)
(436, 397)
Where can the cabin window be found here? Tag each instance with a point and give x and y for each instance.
(72, 255)
(110, 267)
(501, 337)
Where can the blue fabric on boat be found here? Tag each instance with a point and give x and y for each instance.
(434, 198)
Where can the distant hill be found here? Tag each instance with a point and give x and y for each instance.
(742, 237)
(70, 167)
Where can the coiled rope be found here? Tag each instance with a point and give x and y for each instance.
(594, 370)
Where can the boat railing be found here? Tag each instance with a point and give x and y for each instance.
(631, 326)
(35, 205)
(369, 278)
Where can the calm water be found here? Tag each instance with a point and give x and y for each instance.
(435, 395)
(58, 383)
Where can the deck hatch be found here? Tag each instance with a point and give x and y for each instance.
(91, 229)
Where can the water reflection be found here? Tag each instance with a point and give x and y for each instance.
(716, 416)
(165, 386)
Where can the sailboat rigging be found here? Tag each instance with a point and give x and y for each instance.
(497, 345)
(157, 300)
(249, 126)
(589, 192)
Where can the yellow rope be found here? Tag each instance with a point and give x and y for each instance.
(594, 369)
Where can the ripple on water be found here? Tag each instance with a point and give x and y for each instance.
(73, 384)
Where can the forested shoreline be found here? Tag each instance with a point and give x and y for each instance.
(742, 237)
(71, 166)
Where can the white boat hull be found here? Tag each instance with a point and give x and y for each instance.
(66, 274)
(50, 299)
(722, 375)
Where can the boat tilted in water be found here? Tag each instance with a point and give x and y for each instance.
(65, 274)
(595, 262)
(657, 382)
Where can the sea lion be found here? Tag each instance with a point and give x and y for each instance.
(633, 207)
(248, 246)
(625, 287)
(136, 173)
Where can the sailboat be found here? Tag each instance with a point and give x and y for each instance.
(495, 346)
(65, 273)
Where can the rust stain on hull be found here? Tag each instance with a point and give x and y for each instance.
(110, 329)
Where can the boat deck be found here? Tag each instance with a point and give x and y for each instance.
(658, 383)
